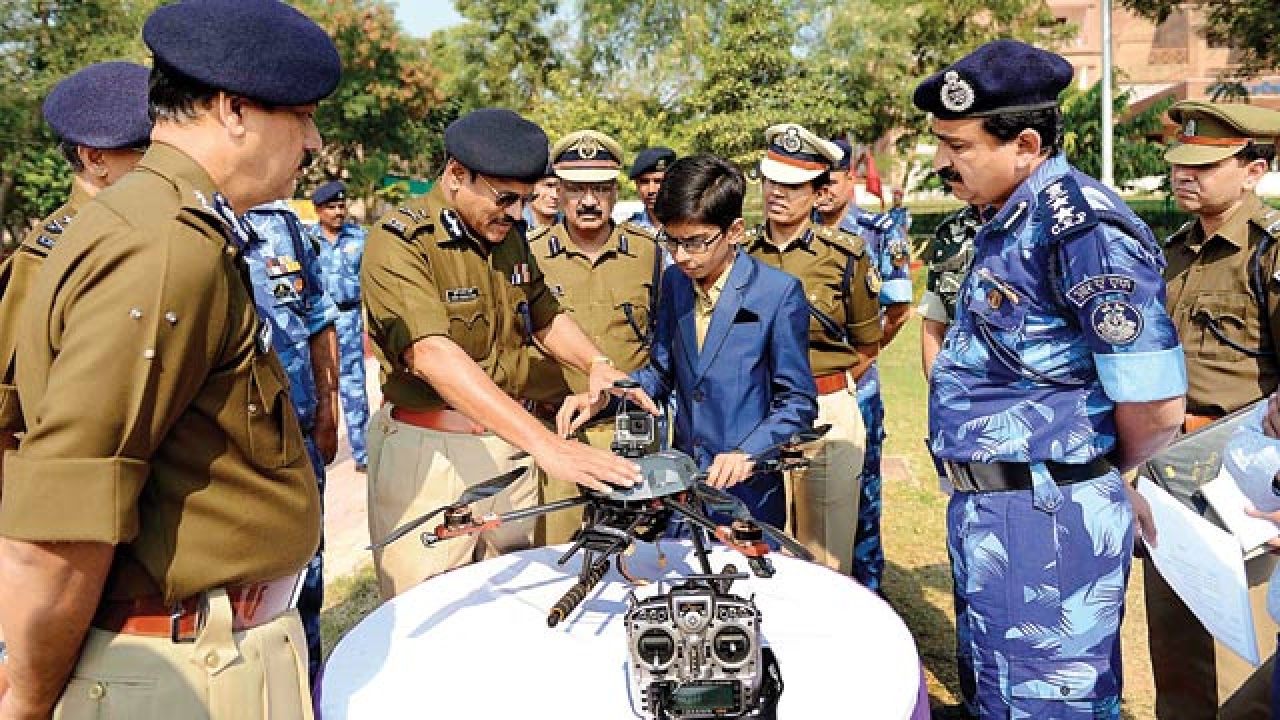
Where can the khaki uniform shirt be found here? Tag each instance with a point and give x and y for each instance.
(820, 259)
(609, 298)
(425, 274)
(1208, 286)
(158, 418)
(16, 276)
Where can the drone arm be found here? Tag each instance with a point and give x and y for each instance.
(540, 510)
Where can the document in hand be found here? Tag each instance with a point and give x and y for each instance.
(1224, 495)
(1203, 564)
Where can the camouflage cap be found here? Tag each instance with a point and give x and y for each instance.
(1210, 132)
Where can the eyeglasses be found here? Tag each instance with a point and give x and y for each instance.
(577, 190)
(506, 198)
(693, 246)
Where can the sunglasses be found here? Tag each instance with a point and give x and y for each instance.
(506, 198)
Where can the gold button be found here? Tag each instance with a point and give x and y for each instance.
(211, 660)
(97, 690)
(253, 409)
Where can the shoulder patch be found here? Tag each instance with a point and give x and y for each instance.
(415, 215)
(844, 241)
(1063, 209)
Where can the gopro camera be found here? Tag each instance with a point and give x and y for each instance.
(632, 427)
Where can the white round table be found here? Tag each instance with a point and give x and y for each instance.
(474, 643)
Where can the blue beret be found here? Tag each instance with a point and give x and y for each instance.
(499, 143)
(1002, 76)
(329, 192)
(654, 159)
(102, 106)
(847, 159)
(261, 49)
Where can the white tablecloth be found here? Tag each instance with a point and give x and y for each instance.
(474, 643)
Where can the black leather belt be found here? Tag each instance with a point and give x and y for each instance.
(1005, 476)
(348, 306)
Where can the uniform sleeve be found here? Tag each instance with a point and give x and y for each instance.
(401, 300)
(862, 305)
(895, 269)
(110, 362)
(1113, 284)
(321, 310)
(794, 405)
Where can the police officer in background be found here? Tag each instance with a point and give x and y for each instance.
(949, 257)
(543, 209)
(1224, 298)
(453, 295)
(890, 254)
(1062, 371)
(605, 276)
(288, 290)
(341, 248)
(99, 115)
(647, 172)
(160, 506)
(843, 290)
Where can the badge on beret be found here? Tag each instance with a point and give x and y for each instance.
(588, 147)
(957, 93)
(874, 281)
(452, 224)
(661, 165)
(791, 140)
(1117, 322)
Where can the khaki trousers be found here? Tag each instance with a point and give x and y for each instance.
(1196, 676)
(822, 499)
(256, 674)
(413, 471)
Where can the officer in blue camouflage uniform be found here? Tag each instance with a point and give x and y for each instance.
(890, 252)
(288, 289)
(341, 248)
(1061, 371)
(647, 172)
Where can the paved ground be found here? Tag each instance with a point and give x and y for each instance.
(346, 531)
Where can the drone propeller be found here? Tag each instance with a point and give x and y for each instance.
(722, 501)
(480, 491)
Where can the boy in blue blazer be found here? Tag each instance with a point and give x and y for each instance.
(731, 339)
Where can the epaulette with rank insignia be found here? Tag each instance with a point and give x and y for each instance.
(1063, 209)
(842, 240)
(1269, 220)
(1179, 233)
(637, 229)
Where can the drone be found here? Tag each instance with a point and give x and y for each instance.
(671, 486)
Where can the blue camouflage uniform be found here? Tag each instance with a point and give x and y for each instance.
(289, 292)
(1061, 317)
(890, 252)
(340, 259)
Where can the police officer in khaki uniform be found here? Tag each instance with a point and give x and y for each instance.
(100, 117)
(453, 295)
(1224, 297)
(605, 276)
(160, 506)
(843, 289)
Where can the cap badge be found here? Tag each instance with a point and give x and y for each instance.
(1190, 128)
(957, 93)
(660, 165)
(791, 140)
(588, 147)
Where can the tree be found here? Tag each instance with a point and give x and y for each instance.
(1134, 155)
(500, 56)
(1250, 26)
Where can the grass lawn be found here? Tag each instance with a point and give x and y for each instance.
(918, 577)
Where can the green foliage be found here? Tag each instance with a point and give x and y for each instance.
(1250, 26)
(1133, 154)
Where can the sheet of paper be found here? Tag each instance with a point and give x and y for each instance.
(1229, 502)
(1204, 565)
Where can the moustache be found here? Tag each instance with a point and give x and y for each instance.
(589, 212)
(947, 174)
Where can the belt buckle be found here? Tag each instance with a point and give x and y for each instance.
(175, 624)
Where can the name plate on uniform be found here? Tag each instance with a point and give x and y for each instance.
(456, 295)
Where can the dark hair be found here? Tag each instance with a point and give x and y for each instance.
(1047, 123)
(71, 153)
(821, 181)
(701, 189)
(1254, 151)
(176, 98)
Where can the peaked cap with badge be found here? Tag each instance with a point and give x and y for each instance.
(652, 159)
(1003, 76)
(102, 106)
(796, 155)
(239, 49)
(499, 143)
(587, 156)
(1210, 132)
(332, 191)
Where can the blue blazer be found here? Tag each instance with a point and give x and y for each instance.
(751, 386)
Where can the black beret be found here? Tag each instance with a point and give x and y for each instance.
(329, 192)
(499, 143)
(102, 106)
(261, 49)
(654, 159)
(1000, 77)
